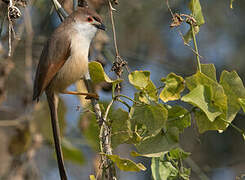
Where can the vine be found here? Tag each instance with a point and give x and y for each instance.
(154, 127)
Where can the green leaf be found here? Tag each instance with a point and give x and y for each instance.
(178, 153)
(178, 117)
(71, 153)
(242, 103)
(98, 74)
(185, 174)
(204, 124)
(126, 164)
(91, 130)
(151, 91)
(136, 154)
(201, 97)
(139, 79)
(209, 70)
(148, 119)
(121, 131)
(163, 141)
(174, 85)
(234, 89)
(148, 94)
(196, 10)
(162, 170)
(219, 98)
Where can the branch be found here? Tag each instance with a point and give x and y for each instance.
(108, 168)
(119, 63)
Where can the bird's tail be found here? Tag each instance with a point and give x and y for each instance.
(53, 106)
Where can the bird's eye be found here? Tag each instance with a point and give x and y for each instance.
(97, 19)
(90, 19)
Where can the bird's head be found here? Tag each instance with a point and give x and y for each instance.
(87, 22)
(95, 20)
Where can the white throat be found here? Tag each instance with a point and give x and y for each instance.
(82, 36)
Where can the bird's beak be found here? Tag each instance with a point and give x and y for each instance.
(100, 26)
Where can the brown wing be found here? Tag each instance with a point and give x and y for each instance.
(51, 61)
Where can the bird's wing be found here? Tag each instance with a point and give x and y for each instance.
(50, 62)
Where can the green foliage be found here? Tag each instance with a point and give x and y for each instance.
(196, 10)
(147, 90)
(201, 96)
(174, 85)
(139, 79)
(234, 89)
(163, 141)
(148, 120)
(242, 103)
(178, 153)
(148, 94)
(204, 124)
(162, 170)
(91, 131)
(178, 117)
(169, 166)
(98, 75)
(71, 153)
(120, 127)
(126, 164)
(154, 128)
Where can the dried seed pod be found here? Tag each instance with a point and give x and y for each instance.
(14, 12)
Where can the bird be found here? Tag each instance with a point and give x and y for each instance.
(63, 61)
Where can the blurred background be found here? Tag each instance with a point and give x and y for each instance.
(146, 42)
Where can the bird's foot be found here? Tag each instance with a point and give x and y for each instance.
(92, 95)
(88, 95)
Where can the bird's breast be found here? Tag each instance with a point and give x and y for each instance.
(75, 67)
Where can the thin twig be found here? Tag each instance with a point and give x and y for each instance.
(183, 115)
(119, 63)
(123, 102)
(10, 38)
(196, 49)
(108, 109)
(181, 35)
(113, 28)
(188, 45)
(121, 95)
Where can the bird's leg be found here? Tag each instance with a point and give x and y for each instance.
(88, 95)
